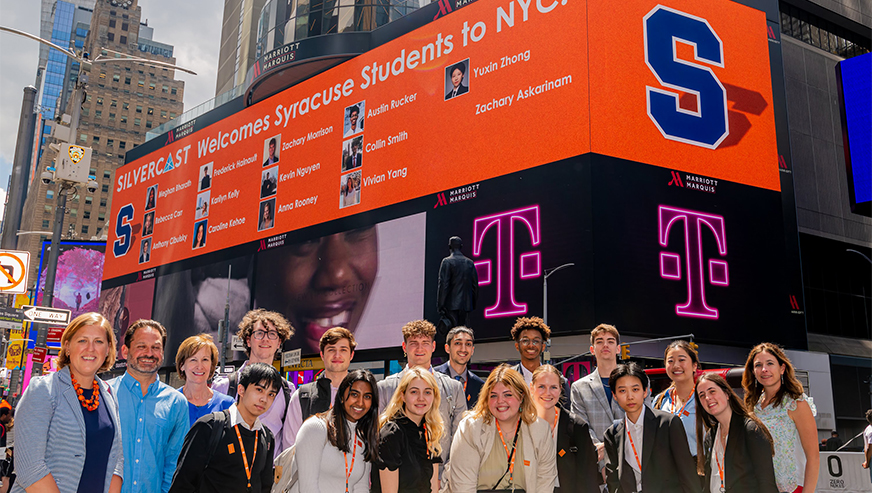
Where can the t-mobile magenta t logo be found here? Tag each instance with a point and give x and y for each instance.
(530, 262)
(670, 263)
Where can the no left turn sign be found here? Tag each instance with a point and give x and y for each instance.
(13, 271)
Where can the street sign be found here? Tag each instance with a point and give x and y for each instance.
(11, 318)
(291, 358)
(42, 314)
(54, 334)
(13, 271)
(236, 344)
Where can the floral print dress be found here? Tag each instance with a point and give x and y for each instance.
(789, 460)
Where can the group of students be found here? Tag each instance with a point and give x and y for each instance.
(424, 429)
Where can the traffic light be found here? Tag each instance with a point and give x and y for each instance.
(625, 351)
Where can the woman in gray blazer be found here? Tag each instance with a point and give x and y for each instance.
(69, 435)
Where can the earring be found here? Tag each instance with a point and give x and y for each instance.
(782, 379)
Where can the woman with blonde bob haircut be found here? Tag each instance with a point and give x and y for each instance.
(410, 429)
(69, 434)
(196, 361)
(502, 444)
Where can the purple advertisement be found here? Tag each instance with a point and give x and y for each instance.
(78, 278)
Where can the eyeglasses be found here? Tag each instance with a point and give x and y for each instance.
(531, 342)
(259, 334)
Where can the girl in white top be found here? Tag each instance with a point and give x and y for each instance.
(774, 394)
(335, 450)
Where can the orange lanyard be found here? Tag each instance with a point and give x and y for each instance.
(347, 470)
(244, 458)
(683, 411)
(426, 438)
(556, 417)
(718, 462)
(633, 445)
(510, 456)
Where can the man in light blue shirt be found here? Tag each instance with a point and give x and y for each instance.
(154, 416)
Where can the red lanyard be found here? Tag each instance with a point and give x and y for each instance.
(242, 450)
(683, 411)
(347, 470)
(633, 445)
(510, 456)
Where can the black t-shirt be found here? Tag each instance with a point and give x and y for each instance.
(402, 446)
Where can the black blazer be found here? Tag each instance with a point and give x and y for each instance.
(473, 385)
(460, 90)
(669, 470)
(576, 456)
(457, 288)
(747, 459)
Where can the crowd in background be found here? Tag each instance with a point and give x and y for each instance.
(424, 429)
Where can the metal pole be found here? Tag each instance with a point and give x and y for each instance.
(548, 272)
(20, 170)
(225, 324)
(52, 266)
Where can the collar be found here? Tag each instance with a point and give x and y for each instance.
(639, 425)
(236, 419)
(429, 369)
(452, 373)
(132, 384)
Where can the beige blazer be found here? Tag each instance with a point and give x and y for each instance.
(473, 441)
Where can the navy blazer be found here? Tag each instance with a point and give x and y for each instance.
(748, 464)
(473, 385)
(576, 456)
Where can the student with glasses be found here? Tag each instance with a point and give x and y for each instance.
(263, 333)
(530, 335)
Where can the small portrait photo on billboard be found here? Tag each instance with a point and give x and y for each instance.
(202, 205)
(271, 148)
(266, 219)
(145, 250)
(456, 79)
(268, 180)
(349, 189)
(352, 153)
(200, 228)
(148, 224)
(151, 197)
(205, 176)
(353, 123)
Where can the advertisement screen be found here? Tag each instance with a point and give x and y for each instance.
(78, 277)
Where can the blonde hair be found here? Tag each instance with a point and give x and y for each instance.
(509, 377)
(542, 369)
(190, 347)
(419, 328)
(85, 320)
(432, 418)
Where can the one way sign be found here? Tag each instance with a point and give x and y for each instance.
(46, 315)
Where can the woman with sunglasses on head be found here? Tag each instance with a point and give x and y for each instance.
(335, 450)
(774, 394)
(501, 444)
(736, 454)
(576, 454)
(681, 362)
(410, 430)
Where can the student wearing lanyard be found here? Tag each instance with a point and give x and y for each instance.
(681, 362)
(232, 451)
(736, 454)
(647, 451)
(501, 444)
(335, 450)
(576, 454)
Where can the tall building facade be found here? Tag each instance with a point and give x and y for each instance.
(124, 100)
(238, 40)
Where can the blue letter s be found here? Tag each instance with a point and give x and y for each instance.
(123, 231)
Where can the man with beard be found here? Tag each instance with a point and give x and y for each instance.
(263, 333)
(154, 416)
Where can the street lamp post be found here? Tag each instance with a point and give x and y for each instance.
(548, 273)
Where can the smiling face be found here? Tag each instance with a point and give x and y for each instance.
(679, 367)
(87, 351)
(456, 77)
(357, 400)
(767, 370)
(605, 347)
(145, 354)
(461, 349)
(418, 399)
(197, 368)
(713, 398)
(630, 394)
(352, 118)
(546, 391)
(263, 350)
(530, 344)
(419, 350)
(337, 357)
(272, 150)
(504, 403)
(256, 399)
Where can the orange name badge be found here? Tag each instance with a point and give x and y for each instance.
(561, 453)
(526, 463)
(231, 449)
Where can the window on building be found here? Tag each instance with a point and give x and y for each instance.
(137, 121)
(99, 100)
(163, 113)
(122, 144)
(111, 36)
(88, 200)
(172, 115)
(86, 215)
(138, 108)
(110, 142)
(124, 40)
(152, 85)
(49, 194)
(113, 103)
(127, 80)
(111, 22)
(125, 106)
(96, 139)
(124, 26)
(116, 77)
(104, 189)
(102, 75)
(818, 32)
(150, 111)
(47, 209)
(140, 83)
(123, 119)
(165, 89)
(74, 212)
(101, 216)
(111, 116)
(148, 124)
(86, 111)
(98, 114)
(84, 229)
(83, 137)
(173, 91)
(103, 201)
(107, 174)
(45, 224)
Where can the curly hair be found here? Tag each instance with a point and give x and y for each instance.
(191, 346)
(509, 377)
(246, 326)
(790, 386)
(84, 320)
(530, 323)
(419, 328)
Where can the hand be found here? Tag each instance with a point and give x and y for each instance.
(600, 452)
(866, 465)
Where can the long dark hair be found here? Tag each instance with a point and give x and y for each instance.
(367, 426)
(706, 422)
(694, 360)
(790, 385)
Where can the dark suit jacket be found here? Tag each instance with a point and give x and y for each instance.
(349, 161)
(460, 90)
(205, 182)
(747, 459)
(473, 385)
(458, 283)
(576, 456)
(669, 470)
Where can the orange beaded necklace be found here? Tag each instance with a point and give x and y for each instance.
(89, 404)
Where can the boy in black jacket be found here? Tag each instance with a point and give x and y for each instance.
(232, 451)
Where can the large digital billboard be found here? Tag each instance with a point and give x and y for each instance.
(641, 147)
